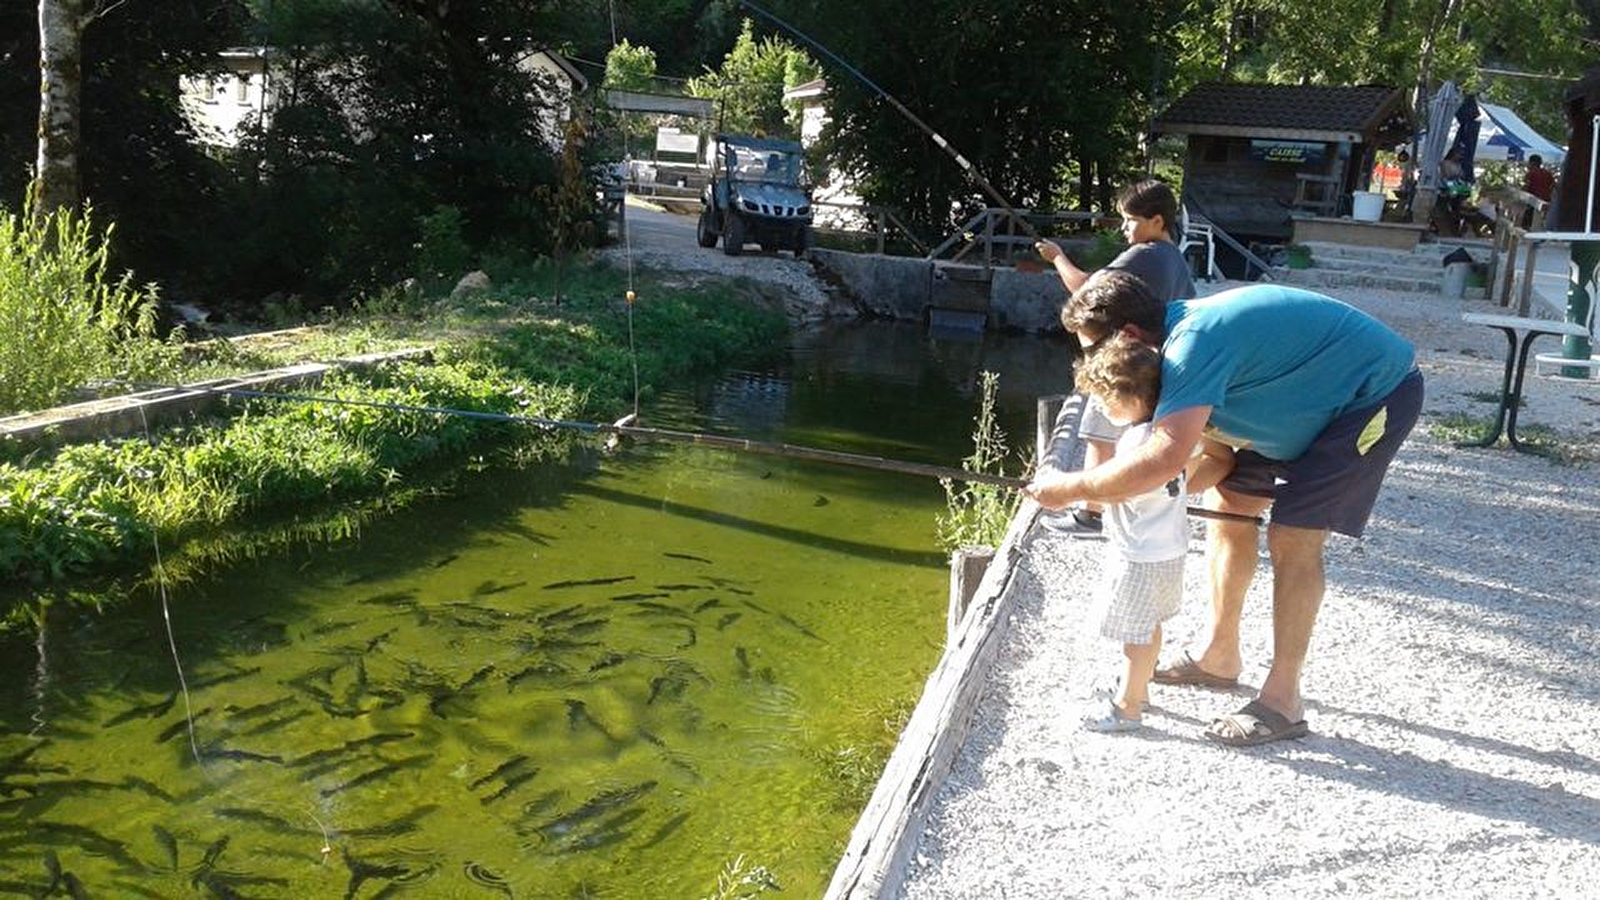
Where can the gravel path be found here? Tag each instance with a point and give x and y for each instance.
(1453, 692)
(665, 241)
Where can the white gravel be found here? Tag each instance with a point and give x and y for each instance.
(1453, 692)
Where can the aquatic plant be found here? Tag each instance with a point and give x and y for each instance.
(98, 503)
(740, 881)
(977, 515)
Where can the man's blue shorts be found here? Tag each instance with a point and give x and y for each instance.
(1334, 484)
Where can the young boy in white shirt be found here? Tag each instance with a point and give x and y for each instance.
(1147, 535)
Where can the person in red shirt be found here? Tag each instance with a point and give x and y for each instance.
(1539, 181)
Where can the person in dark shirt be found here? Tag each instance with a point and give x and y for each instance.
(1149, 211)
(1539, 181)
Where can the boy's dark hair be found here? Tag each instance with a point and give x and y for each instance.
(1150, 198)
(1122, 367)
(1535, 160)
(1111, 299)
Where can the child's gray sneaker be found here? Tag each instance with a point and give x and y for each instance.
(1076, 522)
(1110, 720)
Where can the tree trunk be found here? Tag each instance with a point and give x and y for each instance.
(1430, 40)
(55, 178)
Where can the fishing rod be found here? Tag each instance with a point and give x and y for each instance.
(938, 139)
(623, 428)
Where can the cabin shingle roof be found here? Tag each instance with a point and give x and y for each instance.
(1282, 110)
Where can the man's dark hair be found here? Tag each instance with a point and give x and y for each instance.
(1535, 160)
(1150, 198)
(1111, 299)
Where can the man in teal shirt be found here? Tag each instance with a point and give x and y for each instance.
(1312, 398)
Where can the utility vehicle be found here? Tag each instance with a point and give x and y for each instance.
(758, 193)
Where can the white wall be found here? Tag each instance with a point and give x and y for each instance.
(217, 105)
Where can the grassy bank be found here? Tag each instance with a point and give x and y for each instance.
(292, 469)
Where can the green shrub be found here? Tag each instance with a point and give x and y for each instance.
(977, 515)
(442, 250)
(62, 322)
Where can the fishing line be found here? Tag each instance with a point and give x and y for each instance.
(183, 681)
(627, 239)
(620, 428)
(937, 138)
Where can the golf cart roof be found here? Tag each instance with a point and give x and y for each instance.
(761, 144)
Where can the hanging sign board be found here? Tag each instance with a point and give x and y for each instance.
(1288, 151)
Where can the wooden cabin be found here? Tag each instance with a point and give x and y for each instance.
(1258, 152)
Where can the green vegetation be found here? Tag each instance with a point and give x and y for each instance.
(852, 770)
(63, 322)
(979, 514)
(287, 464)
(385, 112)
(1458, 428)
(749, 86)
(739, 880)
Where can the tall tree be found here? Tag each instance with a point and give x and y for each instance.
(1397, 42)
(748, 87)
(55, 179)
(1046, 99)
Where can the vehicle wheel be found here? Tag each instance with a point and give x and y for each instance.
(733, 235)
(802, 242)
(703, 233)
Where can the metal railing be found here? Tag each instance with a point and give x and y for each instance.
(1001, 236)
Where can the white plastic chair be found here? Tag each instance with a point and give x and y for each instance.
(1197, 233)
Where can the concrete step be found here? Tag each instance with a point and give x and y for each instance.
(1326, 279)
(1339, 278)
(1423, 255)
(1421, 268)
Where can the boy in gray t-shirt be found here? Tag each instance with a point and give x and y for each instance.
(1149, 212)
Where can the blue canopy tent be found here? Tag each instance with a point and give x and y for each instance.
(1504, 136)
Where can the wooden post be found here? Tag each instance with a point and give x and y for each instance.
(988, 238)
(967, 565)
(1525, 296)
(1513, 242)
(1044, 425)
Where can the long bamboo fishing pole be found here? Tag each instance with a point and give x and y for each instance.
(937, 138)
(622, 428)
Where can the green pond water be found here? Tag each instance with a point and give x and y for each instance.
(602, 679)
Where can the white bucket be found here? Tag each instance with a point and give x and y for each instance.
(1366, 206)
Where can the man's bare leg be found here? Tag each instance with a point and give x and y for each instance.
(1232, 554)
(1298, 584)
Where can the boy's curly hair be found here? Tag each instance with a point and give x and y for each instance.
(1121, 367)
(1111, 299)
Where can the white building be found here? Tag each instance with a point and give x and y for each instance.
(219, 105)
(834, 200)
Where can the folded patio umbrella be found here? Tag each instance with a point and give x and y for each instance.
(1431, 147)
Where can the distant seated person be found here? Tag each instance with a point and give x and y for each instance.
(1539, 181)
(1450, 169)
